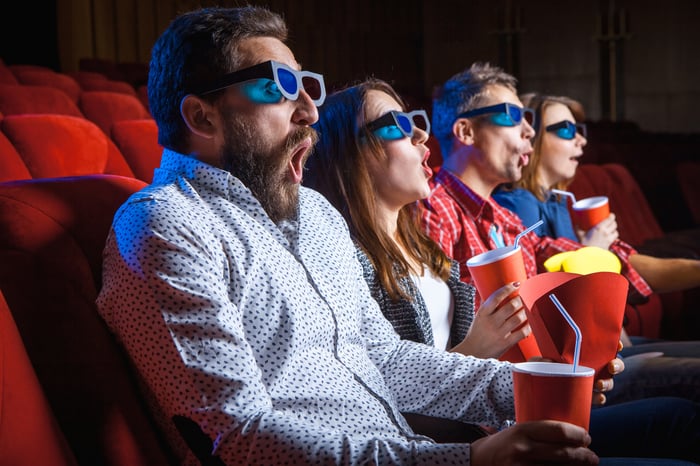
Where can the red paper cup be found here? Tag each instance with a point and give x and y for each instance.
(591, 211)
(550, 390)
(491, 270)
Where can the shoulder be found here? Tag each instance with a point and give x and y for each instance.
(363, 259)
(316, 209)
(510, 196)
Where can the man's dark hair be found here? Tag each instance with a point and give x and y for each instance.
(197, 48)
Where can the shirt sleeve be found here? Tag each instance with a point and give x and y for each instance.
(430, 381)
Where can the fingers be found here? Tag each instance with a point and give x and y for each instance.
(598, 399)
(500, 296)
(540, 442)
(603, 385)
(557, 432)
(616, 366)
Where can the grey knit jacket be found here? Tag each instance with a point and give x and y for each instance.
(410, 318)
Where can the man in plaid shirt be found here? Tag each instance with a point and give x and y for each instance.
(484, 134)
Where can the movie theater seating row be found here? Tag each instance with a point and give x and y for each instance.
(54, 115)
(67, 394)
(51, 145)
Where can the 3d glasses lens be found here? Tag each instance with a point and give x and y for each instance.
(313, 87)
(287, 80)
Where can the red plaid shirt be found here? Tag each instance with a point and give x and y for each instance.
(461, 221)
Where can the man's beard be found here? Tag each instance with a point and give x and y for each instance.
(248, 155)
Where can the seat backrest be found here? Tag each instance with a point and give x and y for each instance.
(688, 175)
(636, 222)
(12, 166)
(62, 145)
(29, 433)
(104, 108)
(46, 77)
(6, 75)
(142, 94)
(137, 140)
(120, 87)
(52, 232)
(21, 99)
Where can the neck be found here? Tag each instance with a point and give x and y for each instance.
(468, 172)
(387, 220)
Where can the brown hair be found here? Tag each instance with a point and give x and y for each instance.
(338, 169)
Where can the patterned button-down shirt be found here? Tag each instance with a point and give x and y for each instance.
(465, 225)
(267, 336)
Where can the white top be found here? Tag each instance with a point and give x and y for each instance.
(267, 336)
(440, 304)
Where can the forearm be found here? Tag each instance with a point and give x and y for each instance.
(667, 274)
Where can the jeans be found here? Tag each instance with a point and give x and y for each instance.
(676, 373)
(661, 427)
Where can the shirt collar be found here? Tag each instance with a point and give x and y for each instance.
(219, 181)
(476, 205)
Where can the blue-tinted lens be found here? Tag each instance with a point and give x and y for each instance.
(515, 113)
(262, 91)
(567, 132)
(405, 123)
(287, 80)
(503, 119)
(389, 133)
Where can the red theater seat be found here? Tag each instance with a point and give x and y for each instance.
(52, 232)
(61, 145)
(12, 166)
(688, 174)
(22, 99)
(29, 433)
(104, 108)
(36, 76)
(6, 74)
(636, 225)
(137, 140)
(120, 87)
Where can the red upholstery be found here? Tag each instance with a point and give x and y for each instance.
(636, 224)
(52, 232)
(6, 75)
(44, 77)
(104, 108)
(80, 76)
(635, 220)
(137, 140)
(12, 166)
(29, 433)
(67, 146)
(21, 99)
(688, 174)
(142, 94)
(120, 87)
(100, 65)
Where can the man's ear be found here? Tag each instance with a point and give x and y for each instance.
(199, 116)
(463, 131)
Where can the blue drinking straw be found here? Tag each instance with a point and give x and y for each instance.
(570, 321)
